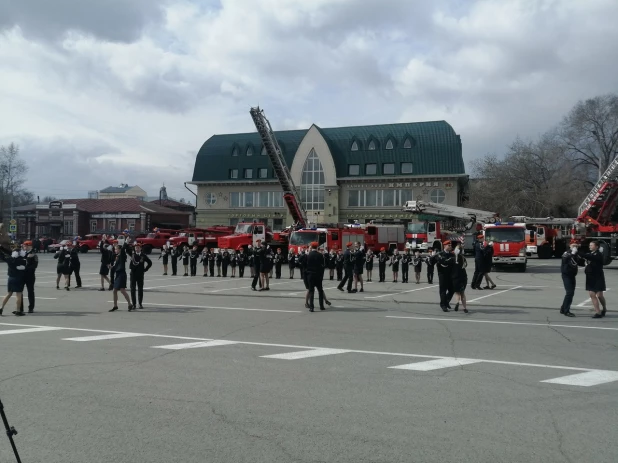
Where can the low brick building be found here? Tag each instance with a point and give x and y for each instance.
(79, 217)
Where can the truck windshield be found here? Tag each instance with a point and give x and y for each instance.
(505, 235)
(303, 238)
(417, 228)
(150, 235)
(244, 228)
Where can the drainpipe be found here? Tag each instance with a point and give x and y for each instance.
(194, 194)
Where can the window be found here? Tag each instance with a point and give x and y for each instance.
(112, 225)
(233, 222)
(55, 213)
(210, 198)
(263, 198)
(312, 183)
(406, 195)
(406, 167)
(249, 151)
(262, 173)
(388, 198)
(277, 199)
(263, 153)
(354, 146)
(131, 225)
(353, 198)
(371, 198)
(93, 226)
(248, 173)
(248, 200)
(371, 169)
(68, 227)
(389, 144)
(353, 169)
(378, 198)
(437, 196)
(234, 199)
(277, 224)
(233, 173)
(388, 168)
(235, 151)
(372, 145)
(407, 144)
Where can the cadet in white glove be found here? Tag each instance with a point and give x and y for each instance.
(16, 271)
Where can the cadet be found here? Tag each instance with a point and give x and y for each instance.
(395, 264)
(257, 258)
(174, 256)
(16, 263)
(445, 261)
(139, 264)
(369, 263)
(233, 263)
(595, 279)
(314, 275)
(479, 264)
(359, 264)
(211, 262)
(331, 263)
(301, 263)
(204, 260)
(570, 261)
(120, 278)
(291, 262)
(165, 255)
(219, 261)
(382, 259)
(278, 262)
(64, 265)
(348, 267)
(193, 256)
(266, 266)
(459, 278)
(242, 261)
(406, 259)
(32, 262)
(225, 261)
(339, 265)
(417, 263)
(430, 260)
(75, 266)
(186, 253)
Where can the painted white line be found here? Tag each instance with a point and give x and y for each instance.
(103, 337)
(402, 292)
(305, 354)
(180, 284)
(213, 307)
(447, 362)
(546, 325)
(589, 378)
(194, 345)
(241, 287)
(47, 298)
(587, 303)
(29, 330)
(494, 294)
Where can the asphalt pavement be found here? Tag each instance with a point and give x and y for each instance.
(210, 371)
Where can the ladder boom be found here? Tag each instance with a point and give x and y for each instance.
(473, 216)
(273, 150)
(607, 176)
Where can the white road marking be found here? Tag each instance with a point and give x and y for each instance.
(587, 303)
(103, 337)
(430, 365)
(28, 330)
(47, 298)
(590, 378)
(213, 307)
(180, 284)
(241, 287)
(494, 294)
(547, 325)
(313, 348)
(402, 292)
(194, 345)
(303, 354)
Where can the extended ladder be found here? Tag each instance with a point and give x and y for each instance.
(609, 174)
(290, 195)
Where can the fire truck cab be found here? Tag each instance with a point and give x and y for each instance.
(509, 242)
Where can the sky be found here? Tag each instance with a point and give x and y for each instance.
(104, 92)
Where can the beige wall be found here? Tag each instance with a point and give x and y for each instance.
(135, 192)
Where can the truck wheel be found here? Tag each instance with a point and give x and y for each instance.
(83, 249)
(521, 268)
(544, 251)
(147, 249)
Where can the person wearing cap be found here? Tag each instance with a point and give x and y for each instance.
(233, 263)
(16, 263)
(266, 267)
(382, 260)
(204, 261)
(359, 265)
(313, 275)
(571, 260)
(186, 253)
(75, 266)
(63, 255)
(459, 278)
(369, 263)
(211, 261)
(120, 278)
(32, 262)
(488, 262)
(595, 279)
(348, 267)
(291, 262)
(278, 260)
(445, 262)
(430, 260)
(339, 265)
(479, 256)
(165, 256)
(139, 264)
(417, 264)
(257, 260)
(395, 258)
(174, 256)
(301, 262)
(194, 254)
(241, 258)
(331, 263)
(225, 262)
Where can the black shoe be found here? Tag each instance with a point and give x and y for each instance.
(597, 315)
(30, 310)
(340, 289)
(465, 310)
(131, 308)
(114, 309)
(569, 314)
(57, 287)
(444, 309)
(456, 309)
(253, 288)
(310, 309)
(327, 303)
(307, 306)
(140, 306)
(102, 289)
(19, 313)
(492, 286)
(322, 308)
(603, 312)
(361, 290)
(67, 288)
(354, 290)
(472, 287)
(562, 311)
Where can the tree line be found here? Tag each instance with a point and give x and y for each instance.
(13, 171)
(551, 175)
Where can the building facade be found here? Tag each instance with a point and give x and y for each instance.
(122, 191)
(342, 174)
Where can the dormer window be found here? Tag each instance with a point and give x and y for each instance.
(372, 145)
(407, 144)
(249, 151)
(354, 146)
(235, 152)
(389, 144)
(263, 153)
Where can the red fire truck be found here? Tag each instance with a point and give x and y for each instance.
(509, 241)
(156, 239)
(203, 237)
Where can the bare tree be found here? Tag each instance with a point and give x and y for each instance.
(590, 132)
(13, 172)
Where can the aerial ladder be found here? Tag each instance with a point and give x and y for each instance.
(471, 216)
(273, 150)
(597, 212)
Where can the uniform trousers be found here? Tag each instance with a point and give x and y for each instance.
(137, 282)
(569, 291)
(446, 289)
(315, 282)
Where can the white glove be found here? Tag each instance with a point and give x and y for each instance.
(573, 250)
(21, 267)
(14, 254)
(22, 253)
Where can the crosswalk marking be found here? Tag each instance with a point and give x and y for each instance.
(103, 337)
(438, 364)
(194, 345)
(29, 330)
(589, 378)
(303, 354)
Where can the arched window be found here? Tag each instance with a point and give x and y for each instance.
(354, 146)
(372, 145)
(312, 183)
(249, 151)
(389, 144)
(407, 144)
(235, 151)
(263, 152)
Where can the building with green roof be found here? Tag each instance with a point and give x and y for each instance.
(342, 174)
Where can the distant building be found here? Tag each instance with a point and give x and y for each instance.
(122, 191)
(177, 206)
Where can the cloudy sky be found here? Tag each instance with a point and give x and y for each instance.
(103, 92)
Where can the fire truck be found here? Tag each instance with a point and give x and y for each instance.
(460, 223)
(156, 239)
(203, 237)
(509, 241)
(546, 237)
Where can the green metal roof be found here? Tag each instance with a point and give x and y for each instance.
(436, 150)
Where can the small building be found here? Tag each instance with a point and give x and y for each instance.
(177, 206)
(79, 217)
(122, 191)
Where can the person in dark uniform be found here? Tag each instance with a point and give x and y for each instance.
(430, 260)
(406, 259)
(314, 275)
(348, 268)
(36, 245)
(301, 263)
(219, 261)
(194, 255)
(174, 256)
(339, 265)
(233, 263)
(595, 279)
(479, 265)
(459, 278)
(395, 259)
(60, 255)
(331, 263)
(359, 265)
(16, 263)
(64, 265)
(266, 266)
(417, 264)
(139, 265)
(75, 266)
(165, 256)
(382, 260)
(488, 262)
(120, 278)
(225, 261)
(32, 263)
(571, 260)
(242, 261)
(186, 253)
(257, 260)
(211, 262)
(278, 260)
(251, 261)
(445, 262)
(204, 260)
(291, 263)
